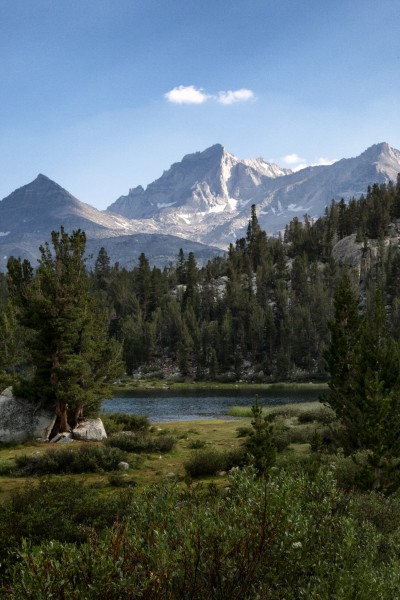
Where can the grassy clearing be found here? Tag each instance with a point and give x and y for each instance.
(191, 436)
(286, 410)
(145, 468)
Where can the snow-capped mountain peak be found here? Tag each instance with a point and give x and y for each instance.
(203, 182)
(207, 196)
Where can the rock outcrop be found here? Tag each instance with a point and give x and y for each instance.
(89, 430)
(21, 420)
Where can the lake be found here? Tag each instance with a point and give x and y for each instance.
(167, 405)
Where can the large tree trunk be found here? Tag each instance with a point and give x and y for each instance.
(77, 415)
(61, 407)
(62, 413)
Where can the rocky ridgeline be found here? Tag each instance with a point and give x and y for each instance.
(204, 199)
(207, 195)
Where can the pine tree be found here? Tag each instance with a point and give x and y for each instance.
(102, 269)
(260, 445)
(70, 349)
(13, 345)
(363, 361)
(340, 356)
(191, 276)
(181, 267)
(143, 285)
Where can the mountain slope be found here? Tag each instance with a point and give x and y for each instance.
(44, 205)
(30, 213)
(207, 196)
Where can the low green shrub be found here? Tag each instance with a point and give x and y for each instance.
(6, 469)
(84, 459)
(115, 422)
(130, 442)
(163, 443)
(54, 510)
(286, 411)
(196, 444)
(237, 457)
(119, 479)
(322, 415)
(282, 440)
(351, 472)
(292, 536)
(204, 463)
(243, 431)
(208, 461)
(304, 434)
(381, 511)
(300, 435)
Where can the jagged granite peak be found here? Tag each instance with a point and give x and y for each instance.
(382, 156)
(207, 196)
(215, 152)
(265, 168)
(211, 181)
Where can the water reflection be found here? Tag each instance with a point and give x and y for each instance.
(165, 405)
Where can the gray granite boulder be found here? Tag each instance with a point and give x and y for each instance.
(21, 420)
(90, 430)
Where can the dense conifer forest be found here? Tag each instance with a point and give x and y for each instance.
(260, 313)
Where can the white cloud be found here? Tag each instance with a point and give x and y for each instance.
(300, 166)
(186, 95)
(230, 97)
(323, 161)
(189, 94)
(297, 163)
(293, 159)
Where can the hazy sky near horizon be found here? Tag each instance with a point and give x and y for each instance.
(103, 95)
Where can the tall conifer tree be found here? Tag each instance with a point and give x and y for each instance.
(70, 350)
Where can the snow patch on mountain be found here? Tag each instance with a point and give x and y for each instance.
(295, 208)
(165, 204)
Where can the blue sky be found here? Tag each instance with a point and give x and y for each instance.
(103, 95)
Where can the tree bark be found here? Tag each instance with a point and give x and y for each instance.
(61, 411)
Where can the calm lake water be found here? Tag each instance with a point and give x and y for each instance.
(165, 405)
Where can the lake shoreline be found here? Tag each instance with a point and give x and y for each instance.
(166, 404)
(163, 385)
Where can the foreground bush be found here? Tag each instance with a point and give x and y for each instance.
(208, 461)
(54, 510)
(84, 459)
(293, 536)
(115, 422)
(323, 415)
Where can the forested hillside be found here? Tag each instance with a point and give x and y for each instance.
(260, 314)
